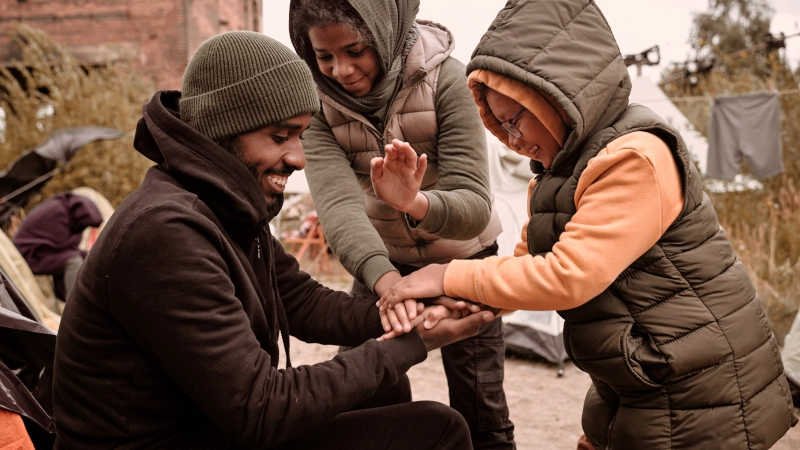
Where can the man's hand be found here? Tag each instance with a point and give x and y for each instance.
(584, 444)
(396, 179)
(458, 305)
(449, 330)
(399, 319)
(402, 318)
(427, 282)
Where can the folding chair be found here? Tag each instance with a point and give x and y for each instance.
(313, 244)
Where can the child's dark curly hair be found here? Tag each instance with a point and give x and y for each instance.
(305, 14)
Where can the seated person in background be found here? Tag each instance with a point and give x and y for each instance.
(49, 236)
(621, 241)
(170, 339)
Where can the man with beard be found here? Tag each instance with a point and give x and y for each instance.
(170, 339)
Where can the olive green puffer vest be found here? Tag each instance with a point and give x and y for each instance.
(412, 118)
(679, 350)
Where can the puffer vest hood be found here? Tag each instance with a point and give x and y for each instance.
(411, 118)
(678, 347)
(570, 55)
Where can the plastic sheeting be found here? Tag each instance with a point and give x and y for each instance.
(90, 234)
(537, 332)
(27, 352)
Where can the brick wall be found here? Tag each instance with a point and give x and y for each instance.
(157, 35)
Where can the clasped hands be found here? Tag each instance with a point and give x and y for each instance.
(400, 311)
(411, 314)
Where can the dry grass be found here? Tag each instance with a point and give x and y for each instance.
(47, 89)
(767, 245)
(762, 224)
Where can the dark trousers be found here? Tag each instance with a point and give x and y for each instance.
(402, 425)
(475, 368)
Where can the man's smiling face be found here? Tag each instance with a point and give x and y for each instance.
(272, 154)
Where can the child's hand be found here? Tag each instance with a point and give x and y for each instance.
(396, 179)
(427, 282)
(401, 318)
(459, 304)
(428, 317)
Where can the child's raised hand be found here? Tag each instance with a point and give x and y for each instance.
(396, 179)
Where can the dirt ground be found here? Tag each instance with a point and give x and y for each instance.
(545, 409)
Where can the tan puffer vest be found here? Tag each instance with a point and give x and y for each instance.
(412, 118)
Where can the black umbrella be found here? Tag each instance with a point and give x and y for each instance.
(29, 173)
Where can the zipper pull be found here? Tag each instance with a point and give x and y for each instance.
(258, 247)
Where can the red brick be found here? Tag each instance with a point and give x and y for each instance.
(159, 36)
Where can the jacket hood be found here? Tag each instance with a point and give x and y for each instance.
(439, 44)
(421, 59)
(216, 176)
(564, 49)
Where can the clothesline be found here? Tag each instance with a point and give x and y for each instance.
(771, 43)
(707, 97)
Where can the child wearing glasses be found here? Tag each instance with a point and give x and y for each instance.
(397, 168)
(621, 241)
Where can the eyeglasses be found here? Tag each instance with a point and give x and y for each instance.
(511, 127)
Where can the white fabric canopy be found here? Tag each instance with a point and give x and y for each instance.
(647, 93)
(297, 183)
(509, 175)
(791, 351)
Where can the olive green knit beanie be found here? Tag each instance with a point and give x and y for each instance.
(241, 81)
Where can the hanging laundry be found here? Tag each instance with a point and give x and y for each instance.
(745, 126)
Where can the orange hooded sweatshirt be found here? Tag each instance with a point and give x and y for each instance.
(13, 435)
(626, 198)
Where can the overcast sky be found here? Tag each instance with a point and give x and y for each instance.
(637, 24)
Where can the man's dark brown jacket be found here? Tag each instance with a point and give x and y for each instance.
(170, 339)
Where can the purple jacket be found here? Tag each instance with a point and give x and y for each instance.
(51, 233)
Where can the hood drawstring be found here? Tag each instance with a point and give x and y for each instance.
(279, 313)
(276, 314)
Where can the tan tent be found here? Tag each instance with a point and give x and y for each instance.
(106, 210)
(17, 269)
